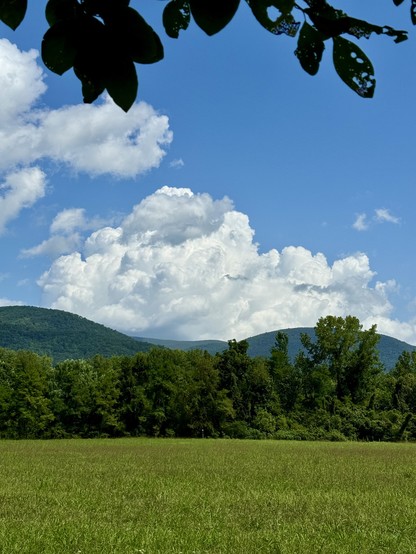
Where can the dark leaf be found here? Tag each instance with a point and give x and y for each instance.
(333, 23)
(282, 23)
(131, 33)
(104, 57)
(176, 17)
(95, 7)
(413, 12)
(398, 2)
(389, 31)
(12, 12)
(79, 37)
(90, 68)
(122, 84)
(60, 46)
(360, 29)
(90, 90)
(58, 10)
(261, 8)
(103, 8)
(354, 68)
(286, 25)
(213, 15)
(310, 49)
(329, 21)
(93, 56)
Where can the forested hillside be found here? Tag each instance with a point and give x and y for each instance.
(389, 348)
(61, 335)
(335, 389)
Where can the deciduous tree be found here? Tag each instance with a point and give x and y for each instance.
(285, 375)
(346, 352)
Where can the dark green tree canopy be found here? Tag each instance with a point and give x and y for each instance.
(347, 353)
(102, 40)
(335, 389)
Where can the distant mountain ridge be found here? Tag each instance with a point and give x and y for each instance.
(63, 335)
(211, 346)
(260, 345)
(388, 347)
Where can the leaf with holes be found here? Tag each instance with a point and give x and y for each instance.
(413, 12)
(261, 8)
(176, 17)
(333, 23)
(286, 25)
(12, 12)
(359, 29)
(283, 23)
(354, 68)
(310, 49)
(213, 15)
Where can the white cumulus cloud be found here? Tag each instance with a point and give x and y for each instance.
(54, 246)
(21, 83)
(67, 220)
(101, 138)
(98, 138)
(185, 265)
(21, 189)
(65, 229)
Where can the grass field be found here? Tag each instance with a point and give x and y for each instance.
(206, 496)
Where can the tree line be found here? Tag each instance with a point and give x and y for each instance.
(334, 389)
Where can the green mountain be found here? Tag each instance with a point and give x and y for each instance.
(260, 345)
(388, 347)
(61, 335)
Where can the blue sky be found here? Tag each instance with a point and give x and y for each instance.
(238, 196)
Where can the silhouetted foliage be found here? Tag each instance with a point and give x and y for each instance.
(102, 40)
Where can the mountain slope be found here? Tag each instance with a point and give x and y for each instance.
(388, 347)
(211, 346)
(61, 335)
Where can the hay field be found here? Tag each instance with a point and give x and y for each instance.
(156, 496)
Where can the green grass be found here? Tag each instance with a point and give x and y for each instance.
(206, 496)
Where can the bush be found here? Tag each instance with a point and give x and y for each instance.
(236, 430)
(264, 421)
(293, 435)
(335, 436)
